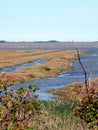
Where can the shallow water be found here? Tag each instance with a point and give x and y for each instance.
(23, 66)
(90, 61)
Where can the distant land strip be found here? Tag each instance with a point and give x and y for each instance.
(49, 45)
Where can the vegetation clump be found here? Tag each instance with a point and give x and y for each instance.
(88, 110)
(18, 108)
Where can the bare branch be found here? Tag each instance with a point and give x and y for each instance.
(85, 73)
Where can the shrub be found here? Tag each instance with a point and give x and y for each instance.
(17, 108)
(88, 110)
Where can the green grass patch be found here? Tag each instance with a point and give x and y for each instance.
(59, 116)
(45, 68)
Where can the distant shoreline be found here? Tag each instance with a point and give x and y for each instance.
(46, 45)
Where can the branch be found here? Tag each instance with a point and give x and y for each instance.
(85, 73)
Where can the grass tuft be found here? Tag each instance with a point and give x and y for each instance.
(59, 116)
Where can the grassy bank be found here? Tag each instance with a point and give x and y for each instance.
(74, 91)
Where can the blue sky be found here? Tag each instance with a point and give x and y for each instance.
(42, 20)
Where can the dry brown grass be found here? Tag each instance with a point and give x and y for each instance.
(75, 91)
(44, 122)
(58, 60)
(18, 57)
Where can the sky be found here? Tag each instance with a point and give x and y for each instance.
(43, 20)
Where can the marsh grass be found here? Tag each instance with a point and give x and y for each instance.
(59, 116)
(18, 57)
(57, 61)
(74, 91)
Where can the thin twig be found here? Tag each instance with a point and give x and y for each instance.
(85, 73)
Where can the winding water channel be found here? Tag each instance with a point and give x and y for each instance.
(90, 61)
(17, 68)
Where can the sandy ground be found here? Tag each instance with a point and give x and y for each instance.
(46, 45)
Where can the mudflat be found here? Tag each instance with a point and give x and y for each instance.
(46, 45)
